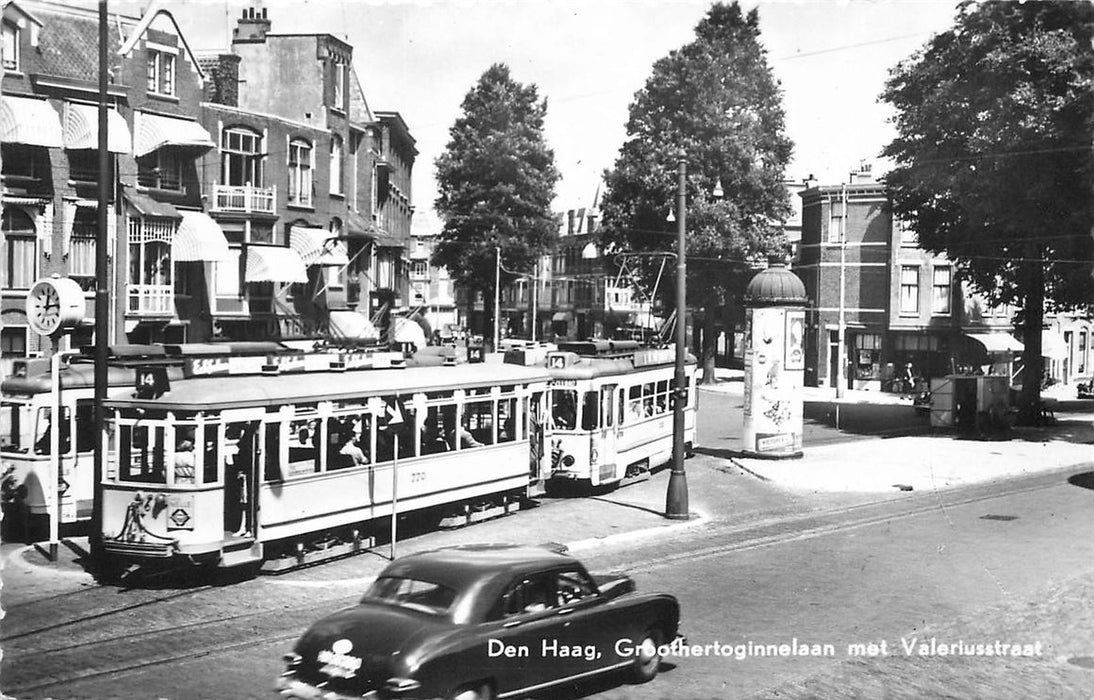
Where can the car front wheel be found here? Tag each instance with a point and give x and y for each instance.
(476, 691)
(648, 659)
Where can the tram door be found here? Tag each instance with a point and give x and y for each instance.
(538, 465)
(240, 478)
(608, 420)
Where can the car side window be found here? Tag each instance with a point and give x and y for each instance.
(572, 586)
(530, 595)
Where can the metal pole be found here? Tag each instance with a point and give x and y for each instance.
(841, 353)
(676, 500)
(535, 300)
(102, 294)
(394, 493)
(53, 501)
(497, 296)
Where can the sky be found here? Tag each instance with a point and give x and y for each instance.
(588, 58)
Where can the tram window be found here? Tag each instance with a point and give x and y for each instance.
(662, 396)
(303, 446)
(564, 408)
(141, 454)
(647, 399)
(14, 421)
(209, 455)
(622, 407)
(478, 424)
(590, 413)
(272, 458)
(45, 425)
(408, 443)
(440, 421)
(606, 394)
(85, 425)
(634, 405)
(507, 420)
(348, 442)
(185, 459)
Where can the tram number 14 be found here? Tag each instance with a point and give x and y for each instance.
(417, 477)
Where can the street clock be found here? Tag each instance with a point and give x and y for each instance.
(54, 303)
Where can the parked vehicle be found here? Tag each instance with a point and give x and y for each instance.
(481, 621)
(1085, 390)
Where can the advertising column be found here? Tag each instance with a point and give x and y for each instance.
(774, 365)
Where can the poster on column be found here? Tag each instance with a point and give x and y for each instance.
(773, 384)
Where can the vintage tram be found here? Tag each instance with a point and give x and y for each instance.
(610, 410)
(29, 400)
(236, 464)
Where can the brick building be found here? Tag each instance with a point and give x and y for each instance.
(900, 304)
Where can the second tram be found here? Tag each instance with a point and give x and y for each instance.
(228, 468)
(611, 414)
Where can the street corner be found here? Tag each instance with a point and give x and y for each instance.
(71, 559)
(652, 529)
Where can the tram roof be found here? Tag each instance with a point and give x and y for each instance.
(78, 375)
(248, 391)
(594, 367)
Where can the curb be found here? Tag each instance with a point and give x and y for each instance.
(698, 518)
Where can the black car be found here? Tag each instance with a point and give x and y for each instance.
(481, 621)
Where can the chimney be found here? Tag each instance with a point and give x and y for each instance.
(251, 27)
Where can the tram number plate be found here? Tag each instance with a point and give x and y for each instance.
(180, 512)
(417, 477)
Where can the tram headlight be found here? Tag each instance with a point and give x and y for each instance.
(594, 456)
(568, 461)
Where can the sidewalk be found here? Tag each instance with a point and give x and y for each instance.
(918, 462)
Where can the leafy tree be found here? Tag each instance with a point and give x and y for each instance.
(497, 180)
(994, 157)
(717, 100)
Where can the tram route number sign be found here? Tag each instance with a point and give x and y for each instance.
(180, 512)
(152, 381)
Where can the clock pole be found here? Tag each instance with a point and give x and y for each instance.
(102, 296)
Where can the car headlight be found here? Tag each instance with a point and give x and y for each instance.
(399, 686)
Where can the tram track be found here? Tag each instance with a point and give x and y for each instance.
(40, 661)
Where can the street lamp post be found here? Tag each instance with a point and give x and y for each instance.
(676, 499)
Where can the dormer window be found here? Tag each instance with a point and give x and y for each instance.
(11, 46)
(339, 84)
(161, 72)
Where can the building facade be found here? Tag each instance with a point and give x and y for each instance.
(254, 194)
(899, 304)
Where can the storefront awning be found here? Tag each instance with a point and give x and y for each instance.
(997, 342)
(357, 225)
(1053, 345)
(82, 129)
(274, 264)
(199, 239)
(146, 206)
(154, 132)
(317, 246)
(27, 121)
(562, 316)
(352, 325)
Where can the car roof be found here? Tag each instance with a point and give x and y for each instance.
(466, 566)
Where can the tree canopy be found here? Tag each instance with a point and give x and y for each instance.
(994, 155)
(496, 180)
(717, 100)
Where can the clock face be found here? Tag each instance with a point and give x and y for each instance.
(53, 303)
(45, 308)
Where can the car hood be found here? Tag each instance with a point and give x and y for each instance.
(370, 641)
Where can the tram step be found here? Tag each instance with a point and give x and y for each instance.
(470, 516)
(290, 562)
(239, 553)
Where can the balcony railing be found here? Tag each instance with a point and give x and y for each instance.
(150, 300)
(244, 198)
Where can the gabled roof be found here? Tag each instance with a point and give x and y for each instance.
(68, 43)
(32, 18)
(153, 13)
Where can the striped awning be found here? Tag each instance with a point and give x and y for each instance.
(274, 264)
(154, 131)
(28, 121)
(317, 246)
(997, 342)
(82, 129)
(199, 238)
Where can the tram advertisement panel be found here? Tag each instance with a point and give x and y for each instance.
(773, 381)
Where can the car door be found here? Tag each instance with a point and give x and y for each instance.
(586, 629)
(527, 616)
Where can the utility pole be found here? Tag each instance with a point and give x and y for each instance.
(102, 297)
(676, 499)
(497, 297)
(841, 352)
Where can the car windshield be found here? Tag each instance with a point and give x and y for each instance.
(411, 593)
